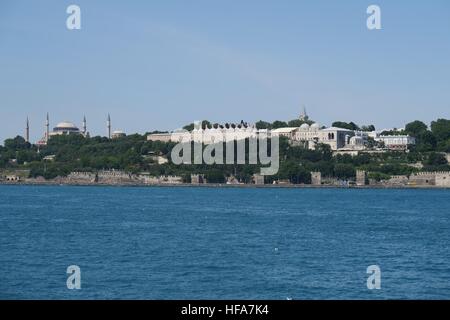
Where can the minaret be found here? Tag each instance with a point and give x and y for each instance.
(84, 126)
(108, 124)
(27, 131)
(303, 115)
(47, 128)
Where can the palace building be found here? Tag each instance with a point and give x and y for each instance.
(311, 135)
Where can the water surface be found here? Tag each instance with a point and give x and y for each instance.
(223, 243)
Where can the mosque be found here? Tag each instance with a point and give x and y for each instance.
(68, 128)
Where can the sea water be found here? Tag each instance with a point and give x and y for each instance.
(223, 243)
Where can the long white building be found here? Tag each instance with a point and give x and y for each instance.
(312, 135)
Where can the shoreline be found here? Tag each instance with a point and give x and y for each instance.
(218, 185)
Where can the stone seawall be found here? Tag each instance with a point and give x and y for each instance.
(121, 178)
(439, 178)
(118, 177)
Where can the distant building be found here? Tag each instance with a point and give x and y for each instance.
(361, 178)
(12, 178)
(393, 142)
(316, 178)
(397, 142)
(339, 139)
(117, 134)
(288, 132)
(49, 158)
(65, 128)
(220, 133)
(158, 159)
(336, 138)
(308, 134)
(198, 179)
(258, 179)
(163, 137)
(69, 128)
(62, 129)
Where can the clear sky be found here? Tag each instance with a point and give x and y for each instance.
(161, 64)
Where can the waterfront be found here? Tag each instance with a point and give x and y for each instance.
(223, 243)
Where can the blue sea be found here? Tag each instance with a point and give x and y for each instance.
(223, 243)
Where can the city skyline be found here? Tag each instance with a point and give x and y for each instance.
(157, 66)
(47, 126)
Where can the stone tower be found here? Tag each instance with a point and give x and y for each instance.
(258, 179)
(197, 178)
(361, 178)
(316, 178)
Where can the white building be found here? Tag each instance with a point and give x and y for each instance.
(117, 134)
(336, 138)
(163, 137)
(289, 132)
(208, 135)
(65, 128)
(69, 128)
(400, 142)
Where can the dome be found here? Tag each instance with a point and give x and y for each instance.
(304, 127)
(356, 140)
(315, 126)
(66, 125)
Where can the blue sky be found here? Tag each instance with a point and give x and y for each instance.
(161, 64)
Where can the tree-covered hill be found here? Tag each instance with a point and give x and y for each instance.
(133, 153)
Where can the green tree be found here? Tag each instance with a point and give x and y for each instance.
(215, 176)
(189, 127)
(344, 171)
(378, 176)
(436, 159)
(18, 143)
(368, 128)
(345, 125)
(204, 124)
(444, 146)
(295, 123)
(426, 141)
(441, 129)
(279, 124)
(263, 125)
(415, 128)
